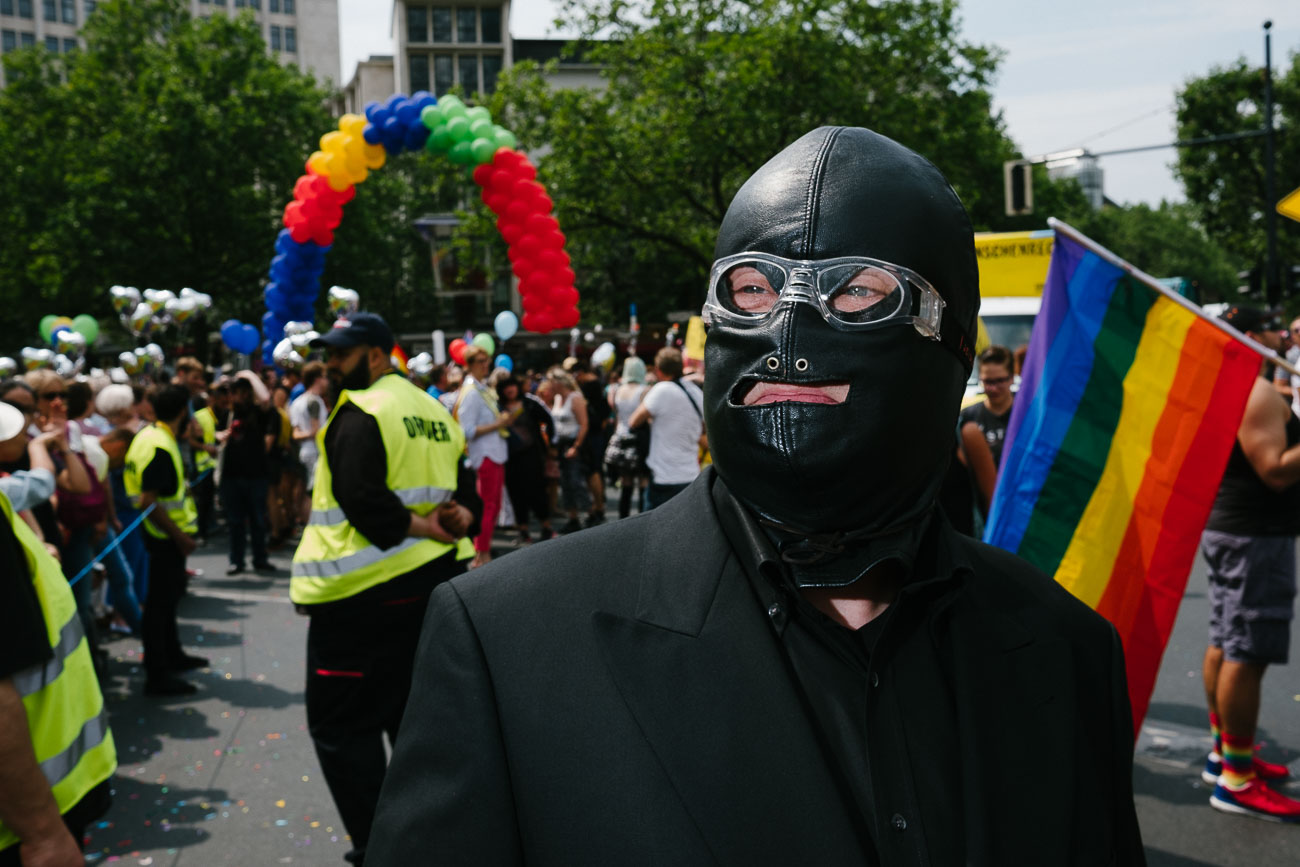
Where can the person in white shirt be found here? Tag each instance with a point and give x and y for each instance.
(484, 423)
(307, 414)
(673, 410)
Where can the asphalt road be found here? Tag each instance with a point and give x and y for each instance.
(229, 776)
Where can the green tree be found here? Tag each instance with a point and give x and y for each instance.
(701, 92)
(1225, 182)
(159, 155)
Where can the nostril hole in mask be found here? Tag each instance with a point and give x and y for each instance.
(801, 365)
(773, 362)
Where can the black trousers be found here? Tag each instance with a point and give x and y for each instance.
(204, 499)
(360, 655)
(158, 630)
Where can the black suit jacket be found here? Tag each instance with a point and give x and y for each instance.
(619, 698)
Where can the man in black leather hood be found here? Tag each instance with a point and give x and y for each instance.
(796, 660)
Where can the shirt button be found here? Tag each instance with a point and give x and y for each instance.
(775, 610)
(899, 823)
(875, 679)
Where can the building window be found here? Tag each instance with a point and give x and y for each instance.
(441, 16)
(52, 44)
(491, 69)
(205, 2)
(8, 41)
(27, 40)
(25, 9)
(491, 21)
(419, 72)
(443, 73)
(468, 64)
(291, 39)
(240, 4)
(51, 12)
(288, 7)
(255, 4)
(417, 24)
(69, 45)
(273, 6)
(275, 37)
(69, 10)
(219, 2)
(467, 25)
(6, 8)
(89, 6)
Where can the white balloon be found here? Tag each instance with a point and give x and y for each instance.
(8, 367)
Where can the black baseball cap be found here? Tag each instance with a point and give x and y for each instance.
(1255, 319)
(358, 329)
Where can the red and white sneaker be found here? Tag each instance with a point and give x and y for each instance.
(1266, 771)
(1255, 799)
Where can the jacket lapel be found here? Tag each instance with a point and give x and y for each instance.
(701, 671)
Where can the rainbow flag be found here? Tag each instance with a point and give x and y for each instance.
(399, 359)
(1128, 407)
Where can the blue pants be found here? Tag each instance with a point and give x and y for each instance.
(245, 503)
(121, 580)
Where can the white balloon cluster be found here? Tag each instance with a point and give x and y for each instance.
(342, 302)
(141, 360)
(144, 312)
(421, 366)
(291, 352)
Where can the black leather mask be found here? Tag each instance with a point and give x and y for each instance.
(871, 465)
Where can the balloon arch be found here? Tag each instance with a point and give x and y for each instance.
(465, 135)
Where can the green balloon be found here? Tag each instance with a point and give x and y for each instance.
(47, 326)
(461, 153)
(452, 110)
(481, 128)
(85, 325)
(459, 129)
(439, 141)
(483, 149)
(478, 112)
(485, 341)
(504, 138)
(431, 117)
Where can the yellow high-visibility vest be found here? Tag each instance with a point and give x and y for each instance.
(207, 420)
(65, 709)
(178, 504)
(423, 447)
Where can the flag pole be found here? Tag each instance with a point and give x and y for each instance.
(1143, 277)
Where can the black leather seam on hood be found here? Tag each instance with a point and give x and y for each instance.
(814, 192)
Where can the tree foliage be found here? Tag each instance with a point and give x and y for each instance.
(1225, 182)
(700, 93)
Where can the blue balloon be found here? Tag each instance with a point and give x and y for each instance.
(231, 331)
(249, 338)
(421, 98)
(371, 134)
(372, 107)
(54, 334)
(394, 102)
(276, 302)
(408, 112)
(505, 361)
(416, 135)
(506, 324)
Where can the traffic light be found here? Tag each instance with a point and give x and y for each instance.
(1018, 187)
(1251, 282)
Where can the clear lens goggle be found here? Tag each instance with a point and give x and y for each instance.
(852, 293)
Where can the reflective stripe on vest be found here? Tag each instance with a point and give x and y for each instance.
(66, 718)
(422, 446)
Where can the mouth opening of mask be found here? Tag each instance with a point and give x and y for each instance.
(763, 392)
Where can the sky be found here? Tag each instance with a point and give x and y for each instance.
(1101, 74)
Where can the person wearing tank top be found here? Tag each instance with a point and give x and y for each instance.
(1249, 549)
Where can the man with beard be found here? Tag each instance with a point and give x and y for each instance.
(391, 510)
(796, 660)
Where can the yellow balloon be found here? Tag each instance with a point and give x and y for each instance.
(375, 155)
(61, 320)
(319, 163)
(333, 142)
(352, 124)
(339, 178)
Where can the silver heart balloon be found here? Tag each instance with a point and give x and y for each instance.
(155, 353)
(125, 298)
(142, 358)
(284, 355)
(204, 300)
(129, 361)
(8, 367)
(300, 327)
(343, 301)
(63, 366)
(34, 358)
(119, 375)
(421, 365)
(182, 309)
(302, 342)
(141, 321)
(70, 343)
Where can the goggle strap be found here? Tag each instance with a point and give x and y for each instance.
(954, 339)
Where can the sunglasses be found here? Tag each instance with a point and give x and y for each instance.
(1001, 380)
(53, 395)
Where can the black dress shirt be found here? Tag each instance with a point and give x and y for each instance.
(880, 696)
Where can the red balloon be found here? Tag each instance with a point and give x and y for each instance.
(564, 296)
(456, 349)
(322, 235)
(496, 202)
(539, 323)
(566, 277)
(552, 260)
(553, 240)
(293, 215)
(482, 173)
(517, 211)
(542, 204)
(510, 232)
(566, 318)
(534, 285)
(522, 268)
(507, 158)
(300, 232)
(526, 170)
(501, 181)
(528, 246)
(541, 225)
(525, 189)
(302, 187)
(330, 194)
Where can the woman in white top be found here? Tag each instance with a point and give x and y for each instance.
(569, 411)
(622, 455)
(485, 425)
